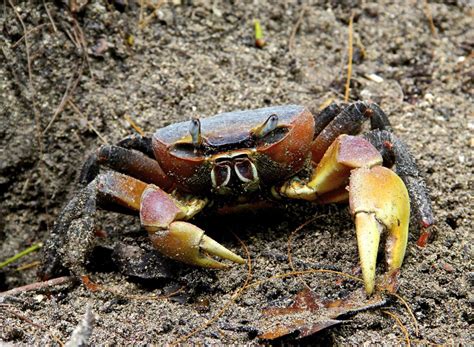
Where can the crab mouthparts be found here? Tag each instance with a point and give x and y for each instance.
(223, 171)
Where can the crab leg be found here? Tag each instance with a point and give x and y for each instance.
(91, 167)
(332, 122)
(161, 214)
(127, 161)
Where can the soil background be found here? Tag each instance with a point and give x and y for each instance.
(69, 85)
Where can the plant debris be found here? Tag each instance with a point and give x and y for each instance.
(309, 314)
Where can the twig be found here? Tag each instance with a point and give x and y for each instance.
(29, 321)
(20, 40)
(290, 239)
(349, 63)
(79, 34)
(37, 286)
(71, 86)
(415, 322)
(326, 103)
(400, 324)
(83, 331)
(291, 40)
(50, 17)
(140, 14)
(89, 123)
(27, 47)
(17, 256)
(301, 273)
(93, 287)
(429, 16)
(28, 266)
(134, 125)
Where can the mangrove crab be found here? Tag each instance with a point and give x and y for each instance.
(243, 157)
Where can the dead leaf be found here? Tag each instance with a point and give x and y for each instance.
(310, 314)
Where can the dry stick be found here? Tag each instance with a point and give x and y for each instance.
(140, 15)
(38, 286)
(73, 39)
(300, 273)
(415, 322)
(226, 306)
(50, 17)
(91, 286)
(427, 12)
(400, 324)
(349, 64)
(134, 125)
(20, 40)
(290, 239)
(89, 123)
(28, 266)
(77, 38)
(29, 321)
(291, 40)
(326, 103)
(71, 86)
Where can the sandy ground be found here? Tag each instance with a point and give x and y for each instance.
(82, 74)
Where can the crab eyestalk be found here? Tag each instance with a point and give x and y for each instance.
(267, 127)
(195, 132)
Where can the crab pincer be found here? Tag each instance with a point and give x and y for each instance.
(379, 201)
(160, 215)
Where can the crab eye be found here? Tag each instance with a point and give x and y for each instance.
(267, 127)
(195, 131)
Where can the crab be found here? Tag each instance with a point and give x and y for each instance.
(243, 158)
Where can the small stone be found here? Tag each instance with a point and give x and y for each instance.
(39, 297)
(375, 78)
(447, 267)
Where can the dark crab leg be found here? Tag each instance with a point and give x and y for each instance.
(378, 198)
(91, 167)
(332, 122)
(133, 163)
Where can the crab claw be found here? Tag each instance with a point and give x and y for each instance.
(379, 200)
(186, 242)
(160, 215)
